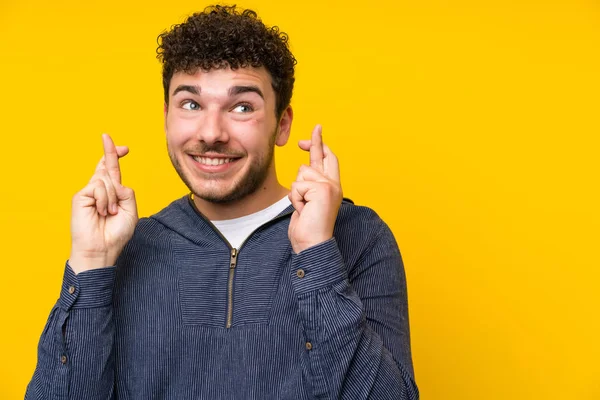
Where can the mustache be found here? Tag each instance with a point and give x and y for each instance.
(218, 148)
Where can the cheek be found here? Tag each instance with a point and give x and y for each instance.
(252, 137)
(180, 131)
(253, 134)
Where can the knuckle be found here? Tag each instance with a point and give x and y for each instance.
(99, 188)
(76, 196)
(96, 183)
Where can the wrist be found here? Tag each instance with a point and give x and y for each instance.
(84, 262)
(299, 247)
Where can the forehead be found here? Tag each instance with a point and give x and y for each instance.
(218, 81)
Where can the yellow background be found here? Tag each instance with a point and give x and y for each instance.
(470, 126)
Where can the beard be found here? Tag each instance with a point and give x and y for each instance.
(239, 187)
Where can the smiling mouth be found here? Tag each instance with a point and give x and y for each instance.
(213, 160)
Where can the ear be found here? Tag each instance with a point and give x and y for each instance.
(285, 126)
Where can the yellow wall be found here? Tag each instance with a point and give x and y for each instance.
(470, 126)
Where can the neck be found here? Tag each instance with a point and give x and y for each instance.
(268, 194)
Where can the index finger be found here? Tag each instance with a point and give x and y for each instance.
(111, 158)
(316, 148)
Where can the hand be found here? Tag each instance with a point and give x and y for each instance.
(103, 215)
(316, 195)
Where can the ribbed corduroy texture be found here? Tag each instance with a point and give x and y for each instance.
(164, 335)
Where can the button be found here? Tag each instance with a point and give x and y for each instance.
(300, 273)
(308, 346)
(63, 359)
(71, 289)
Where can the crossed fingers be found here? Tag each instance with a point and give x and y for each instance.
(106, 181)
(320, 178)
(322, 158)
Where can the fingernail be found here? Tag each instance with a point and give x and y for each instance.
(114, 208)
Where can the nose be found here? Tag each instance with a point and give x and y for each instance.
(211, 128)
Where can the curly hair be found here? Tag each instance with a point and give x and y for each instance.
(225, 36)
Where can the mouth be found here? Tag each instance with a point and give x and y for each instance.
(212, 160)
(213, 164)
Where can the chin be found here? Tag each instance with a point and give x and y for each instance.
(229, 187)
(231, 190)
(217, 196)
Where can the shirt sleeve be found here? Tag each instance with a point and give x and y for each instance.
(357, 331)
(75, 351)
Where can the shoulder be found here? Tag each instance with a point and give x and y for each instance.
(354, 218)
(359, 229)
(150, 230)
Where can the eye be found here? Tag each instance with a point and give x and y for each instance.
(190, 105)
(243, 108)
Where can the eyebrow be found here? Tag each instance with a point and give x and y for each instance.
(194, 89)
(235, 90)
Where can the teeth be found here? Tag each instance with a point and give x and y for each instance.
(212, 161)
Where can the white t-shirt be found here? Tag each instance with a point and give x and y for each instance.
(238, 229)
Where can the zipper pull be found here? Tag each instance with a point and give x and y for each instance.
(233, 260)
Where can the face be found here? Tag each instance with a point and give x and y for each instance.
(221, 130)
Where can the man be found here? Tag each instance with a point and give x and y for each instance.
(243, 289)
